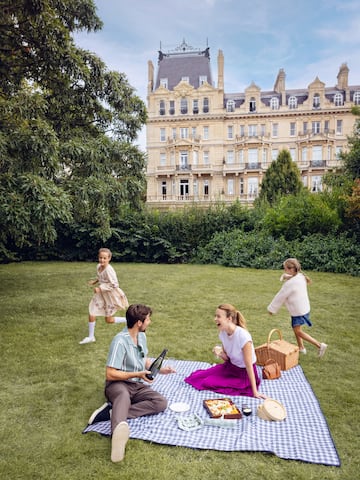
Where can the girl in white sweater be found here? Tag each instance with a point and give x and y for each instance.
(294, 295)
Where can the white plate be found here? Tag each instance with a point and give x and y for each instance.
(179, 407)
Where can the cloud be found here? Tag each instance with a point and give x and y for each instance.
(257, 37)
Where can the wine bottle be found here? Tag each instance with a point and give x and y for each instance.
(156, 365)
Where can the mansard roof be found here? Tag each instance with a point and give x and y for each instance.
(184, 61)
(300, 94)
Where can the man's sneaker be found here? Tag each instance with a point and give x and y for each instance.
(303, 351)
(101, 414)
(87, 340)
(119, 440)
(322, 349)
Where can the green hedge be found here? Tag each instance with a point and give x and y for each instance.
(326, 253)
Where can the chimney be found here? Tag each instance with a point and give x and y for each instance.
(220, 70)
(343, 77)
(150, 76)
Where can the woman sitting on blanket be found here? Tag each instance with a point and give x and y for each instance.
(238, 374)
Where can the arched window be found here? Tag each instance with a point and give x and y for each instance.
(252, 105)
(292, 102)
(356, 98)
(338, 99)
(230, 106)
(274, 103)
(316, 100)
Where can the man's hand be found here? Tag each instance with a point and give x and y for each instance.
(143, 376)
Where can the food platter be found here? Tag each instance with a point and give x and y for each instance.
(190, 422)
(222, 408)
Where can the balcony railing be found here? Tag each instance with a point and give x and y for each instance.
(201, 199)
(183, 168)
(317, 163)
(230, 168)
(311, 133)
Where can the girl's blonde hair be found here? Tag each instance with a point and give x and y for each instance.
(236, 316)
(105, 250)
(295, 264)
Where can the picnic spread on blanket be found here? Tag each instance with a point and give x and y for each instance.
(290, 424)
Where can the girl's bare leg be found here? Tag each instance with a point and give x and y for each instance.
(300, 336)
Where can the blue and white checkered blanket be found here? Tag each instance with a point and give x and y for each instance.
(304, 434)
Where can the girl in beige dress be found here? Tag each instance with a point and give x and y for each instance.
(108, 297)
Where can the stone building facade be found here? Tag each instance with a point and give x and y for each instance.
(205, 145)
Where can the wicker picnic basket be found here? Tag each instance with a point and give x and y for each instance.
(285, 353)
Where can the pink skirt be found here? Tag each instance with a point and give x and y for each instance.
(224, 378)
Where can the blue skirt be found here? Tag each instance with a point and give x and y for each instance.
(224, 378)
(301, 320)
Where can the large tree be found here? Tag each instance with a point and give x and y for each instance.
(343, 183)
(68, 126)
(281, 178)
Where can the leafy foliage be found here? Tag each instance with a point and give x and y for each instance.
(281, 178)
(67, 128)
(343, 184)
(259, 250)
(296, 216)
(351, 158)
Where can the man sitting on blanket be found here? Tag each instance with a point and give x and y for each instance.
(126, 382)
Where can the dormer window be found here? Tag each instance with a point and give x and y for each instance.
(292, 102)
(274, 103)
(185, 79)
(316, 101)
(202, 80)
(162, 107)
(230, 106)
(252, 105)
(338, 99)
(164, 82)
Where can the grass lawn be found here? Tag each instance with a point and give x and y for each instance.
(50, 384)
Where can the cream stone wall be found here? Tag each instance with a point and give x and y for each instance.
(204, 157)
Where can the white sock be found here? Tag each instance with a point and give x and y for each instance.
(92, 329)
(120, 319)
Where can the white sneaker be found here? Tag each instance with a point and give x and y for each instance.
(87, 340)
(322, 349)
(303, 351)
(119, 440)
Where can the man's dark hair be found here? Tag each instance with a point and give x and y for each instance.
(137, 312)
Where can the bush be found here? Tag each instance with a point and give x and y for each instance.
(326, 253)
(329, 253)
(296, 216)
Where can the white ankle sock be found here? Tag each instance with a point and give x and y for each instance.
(92, 329)
(120, 319)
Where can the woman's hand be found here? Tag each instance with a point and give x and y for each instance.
(167, 369)
(260, 395)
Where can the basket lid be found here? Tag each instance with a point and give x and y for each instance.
(274, 409)
(262, 414)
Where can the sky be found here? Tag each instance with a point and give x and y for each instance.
(306, 38)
